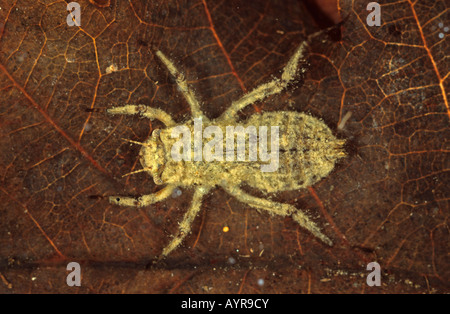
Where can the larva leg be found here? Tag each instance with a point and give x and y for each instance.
(143, 200)
(279, 209)
(273, 87)
(148, 112)
(267, 89)
(184, 87)
(186, 223)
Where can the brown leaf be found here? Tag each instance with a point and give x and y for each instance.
(384, 89)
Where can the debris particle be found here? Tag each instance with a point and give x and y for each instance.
(112, 68)
(344, 120)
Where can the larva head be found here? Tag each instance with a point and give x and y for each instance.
(152, 156)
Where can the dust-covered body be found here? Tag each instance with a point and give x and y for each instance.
(306, 153)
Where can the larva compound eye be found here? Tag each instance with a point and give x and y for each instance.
(156, 133)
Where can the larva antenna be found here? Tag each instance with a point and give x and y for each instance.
(137, 171)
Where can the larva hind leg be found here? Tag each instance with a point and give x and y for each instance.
(279, 209)
(275, 86)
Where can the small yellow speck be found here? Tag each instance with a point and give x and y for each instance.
(112, 68)
(225, 229)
